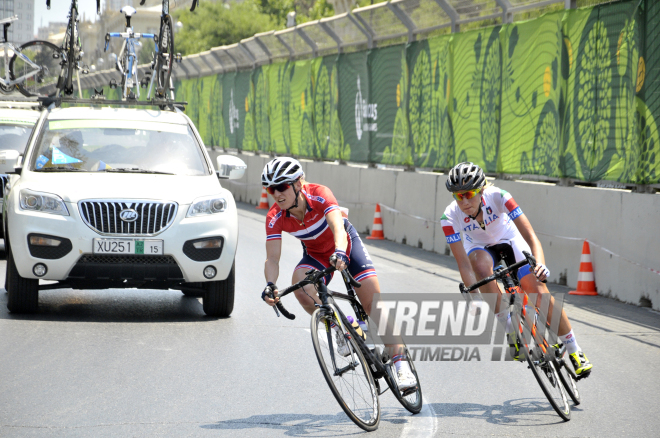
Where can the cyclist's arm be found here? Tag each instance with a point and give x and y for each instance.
(336, 224)
(464, 265)
(526, 230)
(272, 265)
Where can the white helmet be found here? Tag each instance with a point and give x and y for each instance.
(281, 170)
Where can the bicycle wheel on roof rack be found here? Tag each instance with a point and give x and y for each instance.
(165, 56)
(40, 81)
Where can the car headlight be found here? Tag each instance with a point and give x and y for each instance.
(207, 205)
(42, 202)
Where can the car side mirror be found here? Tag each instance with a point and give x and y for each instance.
(230, 167)
(10, 160)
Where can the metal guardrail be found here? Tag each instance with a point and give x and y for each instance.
(381, 24)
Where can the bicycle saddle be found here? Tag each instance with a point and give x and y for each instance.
(8, 20)
(129, 11)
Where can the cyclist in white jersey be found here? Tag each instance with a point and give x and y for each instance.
(491, 220)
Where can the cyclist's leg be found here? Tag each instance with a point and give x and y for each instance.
(483, 262)
(362, 269)
(308, 297)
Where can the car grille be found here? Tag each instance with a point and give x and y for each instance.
(104, 217)
(131, 259)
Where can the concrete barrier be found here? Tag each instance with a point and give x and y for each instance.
(621, 225)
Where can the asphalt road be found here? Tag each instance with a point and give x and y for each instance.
(150, 363)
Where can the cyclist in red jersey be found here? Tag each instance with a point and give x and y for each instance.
(310, 213)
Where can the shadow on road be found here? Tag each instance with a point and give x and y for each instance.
(307, 425)
(518, 412)
(115, 305)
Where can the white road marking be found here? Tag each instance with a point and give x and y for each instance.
(424, 424)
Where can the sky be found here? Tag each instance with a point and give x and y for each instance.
(59, 9)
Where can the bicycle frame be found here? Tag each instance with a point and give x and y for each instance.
(130, 70)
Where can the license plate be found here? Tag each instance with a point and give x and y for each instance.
(128, 246)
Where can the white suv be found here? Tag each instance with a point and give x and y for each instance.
(120, 198)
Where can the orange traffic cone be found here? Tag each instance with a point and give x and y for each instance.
(377, 230)
(263, 202)
(586, 284)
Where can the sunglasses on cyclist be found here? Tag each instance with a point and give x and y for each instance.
(466, 195)
(280, 188)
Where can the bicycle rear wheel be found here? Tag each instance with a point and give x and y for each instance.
(165, 56)
(547, 376)
(71, 60)
(42, 80)
(348, 377)
(411, 399)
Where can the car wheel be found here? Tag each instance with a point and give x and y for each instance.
(23, 292)
(219, 296)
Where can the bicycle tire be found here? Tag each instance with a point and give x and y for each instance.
(363, 411)
(413, 400)
(165, 56)
(548, 379)
(71, 54)
(41, 53)
(566, 374)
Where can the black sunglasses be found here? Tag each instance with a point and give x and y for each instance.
(280, 188)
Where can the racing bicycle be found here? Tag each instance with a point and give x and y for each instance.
(127, 59)
(354, 378)
(164, 56)
(30, 68)
(536, 343)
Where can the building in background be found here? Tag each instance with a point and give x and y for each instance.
(43, 33)
(20, 31)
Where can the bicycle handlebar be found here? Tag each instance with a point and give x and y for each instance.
(313, 277)
(529, 260)
(194, 5)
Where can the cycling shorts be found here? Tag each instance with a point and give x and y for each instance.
(517, 244)
(360, 265)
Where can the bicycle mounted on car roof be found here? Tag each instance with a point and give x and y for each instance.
(127, 59)
(164, 55)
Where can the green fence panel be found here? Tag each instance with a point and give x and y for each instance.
(648, 98)
(476, 95)
(205, 125)
(354, 96)
(244, 128)
(261, 119)
(328, 136)
(431, 133)
(530, 135)
(279, 97)
(385, 68)
(301, 109)
(229, 109)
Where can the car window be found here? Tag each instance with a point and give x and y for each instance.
(14, 136)
(116, 145)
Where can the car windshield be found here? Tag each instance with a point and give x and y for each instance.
(118, 146)
(14, 136)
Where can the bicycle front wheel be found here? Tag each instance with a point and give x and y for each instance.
(37, 68)
(547, 376)
(165, 56)
(348, 376)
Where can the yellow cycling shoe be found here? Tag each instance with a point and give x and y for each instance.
(581, 364)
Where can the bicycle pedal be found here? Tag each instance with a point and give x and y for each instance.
(409, 391)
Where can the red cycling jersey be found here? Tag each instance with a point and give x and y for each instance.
(314, 232)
